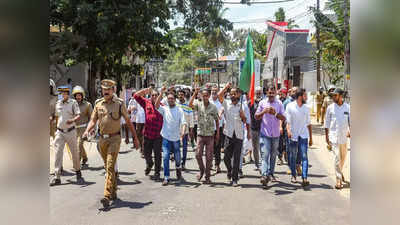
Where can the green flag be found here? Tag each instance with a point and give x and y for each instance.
(247, 75)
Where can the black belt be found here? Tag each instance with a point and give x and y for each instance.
(109, 135)
(66, 130)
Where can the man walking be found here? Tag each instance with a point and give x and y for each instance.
(207, 116)
(108, 111)
(67, 112)
(172, 131)
(319, 100)
(234, 131)
(188, 112)
(337, 130)
(271, 111)
(139, 123)
(255, 128)
(218, 143)
(299, 134)
(86, 111)
(151, 131)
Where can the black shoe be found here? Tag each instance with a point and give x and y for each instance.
(241, 174)
(179, 174)
(55, 181)
(229, 177)
(79, 178)
(147, 171)
(84, 161)
(156, 176)
(105, 202)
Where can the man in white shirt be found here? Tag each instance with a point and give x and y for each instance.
(188, 112)
(234, 131)
(139, 122)
(299, 133)
(337, 130)
(173, 129)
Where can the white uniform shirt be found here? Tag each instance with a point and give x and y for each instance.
(299, 119)
(65, 111)
(232, 118)
(173, 118)
(337, 119)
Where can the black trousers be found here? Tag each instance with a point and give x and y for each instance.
(218, 145)
(153, 145)
(233, 149)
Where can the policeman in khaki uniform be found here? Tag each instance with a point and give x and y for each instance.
(86, 111)
(108, 112)
(320, 100)
(67, 112)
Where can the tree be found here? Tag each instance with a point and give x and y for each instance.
(259, 42)
(334, 35)
(217, 32)
(292, 24)
(280, 15)
(110, 35)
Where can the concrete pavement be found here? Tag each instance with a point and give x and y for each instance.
(144, 201)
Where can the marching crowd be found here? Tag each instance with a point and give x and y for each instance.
(275, 125)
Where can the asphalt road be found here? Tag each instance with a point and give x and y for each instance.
(144, 201)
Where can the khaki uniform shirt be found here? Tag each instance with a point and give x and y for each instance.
(320, 98)
(65, 111)
(86, 111)
(109, 115)
(206, 118)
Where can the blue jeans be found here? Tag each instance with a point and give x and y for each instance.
(296, 148)
(269, 151)
(168, 147)
(185, 140)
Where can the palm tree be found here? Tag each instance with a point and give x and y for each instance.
(217, 32)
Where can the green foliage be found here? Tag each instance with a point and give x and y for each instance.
(259, 42)
(280, 15)
(333, 38)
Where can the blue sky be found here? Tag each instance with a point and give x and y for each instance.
(296, 9)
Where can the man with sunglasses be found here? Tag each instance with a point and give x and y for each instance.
(152, 128)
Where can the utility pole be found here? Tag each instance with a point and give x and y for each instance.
(217, 65)
(346, 45)
(318, 52)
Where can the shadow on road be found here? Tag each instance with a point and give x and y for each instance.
(126, 173)
(125, 152)
(126, 204)
(121, 182)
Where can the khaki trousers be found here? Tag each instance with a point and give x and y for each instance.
(109, 148)
(319, 112)
(82, 152)
(340, 151)
(59, 144)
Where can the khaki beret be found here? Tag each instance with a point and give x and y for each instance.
(107, 84)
